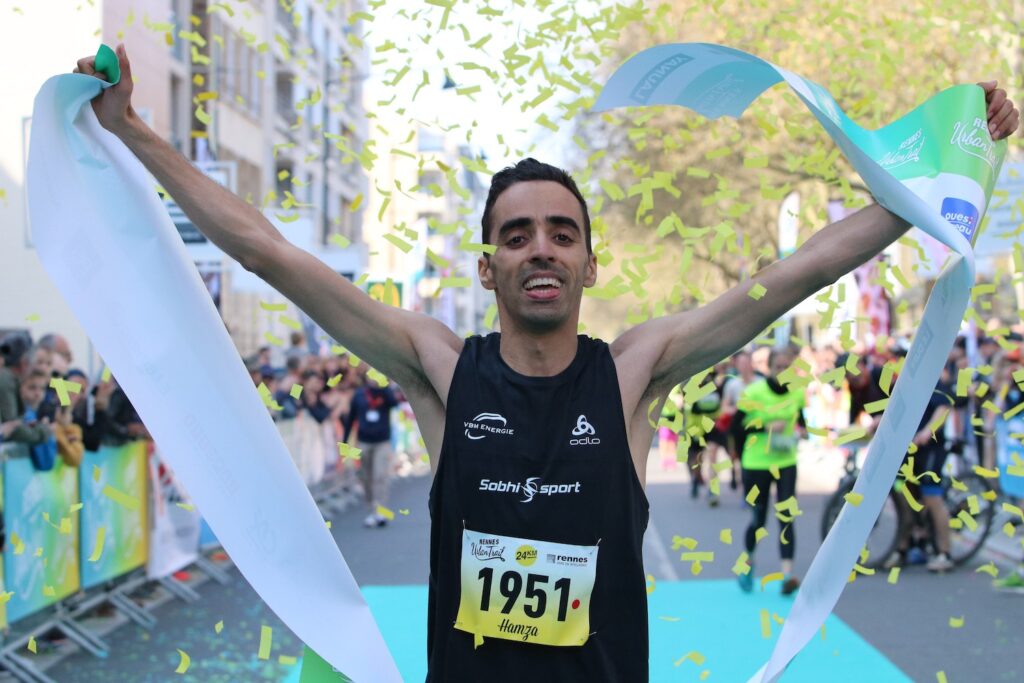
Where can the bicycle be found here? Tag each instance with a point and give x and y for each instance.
(970, 500)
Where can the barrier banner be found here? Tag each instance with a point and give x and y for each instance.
(174, 530)
(114, 525)
(41, 555)
(105, 239)
(936, 168)
(1010, 455)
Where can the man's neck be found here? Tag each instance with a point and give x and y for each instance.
(748, 376)
(539, 355)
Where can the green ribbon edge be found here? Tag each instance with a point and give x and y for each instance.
(108, 64)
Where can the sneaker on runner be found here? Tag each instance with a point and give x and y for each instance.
(790, 585)
(371, 520)
(1014, 583)
(940, 563)
(916, 556)
(747, 580)
(382, 520)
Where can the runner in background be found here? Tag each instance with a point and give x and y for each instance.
(669, 426)
(743, 376)
(707, 441)
(767, 426)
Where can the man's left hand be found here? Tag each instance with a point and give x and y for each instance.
(1003, 117)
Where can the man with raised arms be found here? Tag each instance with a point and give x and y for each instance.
(537, 405)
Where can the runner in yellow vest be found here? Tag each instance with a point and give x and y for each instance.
(767, 425)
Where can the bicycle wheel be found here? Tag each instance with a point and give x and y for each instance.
(966, 541)
(884, 535)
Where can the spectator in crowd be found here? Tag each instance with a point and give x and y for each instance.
(766, 426)
(370, 416)
(263, 361)
(298, 349)
(14, 349)
(926, 481)
(29, 429)
(292, 376)
(90, 409)
(60, 351)
(865, 387)
(123, 421)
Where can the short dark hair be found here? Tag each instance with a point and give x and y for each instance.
(530, 169)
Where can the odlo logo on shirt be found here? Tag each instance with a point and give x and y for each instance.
(585, 430)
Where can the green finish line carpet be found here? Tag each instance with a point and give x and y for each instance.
(713, 618)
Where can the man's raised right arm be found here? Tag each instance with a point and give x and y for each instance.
(380, 334)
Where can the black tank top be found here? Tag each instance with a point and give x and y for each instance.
(506, 436)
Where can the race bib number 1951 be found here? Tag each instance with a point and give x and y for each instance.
(525, 590)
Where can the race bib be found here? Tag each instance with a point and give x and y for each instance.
(525, 590)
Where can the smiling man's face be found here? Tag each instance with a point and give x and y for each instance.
(541, 264)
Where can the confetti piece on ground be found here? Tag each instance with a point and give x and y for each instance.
(97, 551)
(287, 660)
(989, 569)
(725, 536)
(956, 622)
(385, 513)
(121, 498)
(768, 578)
(183, 663)
(403, 511)
(854, 499)
(940, 676)
(894, 575)
(697, 658)
(32, 644)
(218, 627)
(757, 291)
(266, 638)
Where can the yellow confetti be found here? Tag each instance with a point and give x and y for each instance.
(403, 511)
(183, 663)
(989, 569)
(296, 391)
(287, 660)
(32, 644)
(854, 499)
(752, 495)
(766, 624)
(741, 566)
(894, 575)
(956, 622)
(725, 536)
(769, 578)
(266, 638)
(385, 513)
(651, 583)
(697, 658)
(95, 473)
(97, 551)
(940, 677)
(757, 291)
(186, 506)
(273, 307)
(218, 627)
(121, 498)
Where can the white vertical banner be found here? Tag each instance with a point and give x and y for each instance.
(106, 240)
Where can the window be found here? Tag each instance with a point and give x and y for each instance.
(429, 178)
(430, 141)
